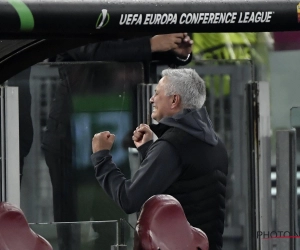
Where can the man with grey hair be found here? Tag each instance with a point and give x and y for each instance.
(188, 161)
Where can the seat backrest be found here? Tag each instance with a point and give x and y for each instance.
(15, 232)
(162, 225)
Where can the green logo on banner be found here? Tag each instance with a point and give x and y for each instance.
(25, 15)
(103, 19)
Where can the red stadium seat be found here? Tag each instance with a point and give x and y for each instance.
(162, 225)
(15, 233)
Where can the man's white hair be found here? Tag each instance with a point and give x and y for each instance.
(186, 83)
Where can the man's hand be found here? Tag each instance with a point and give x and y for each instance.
(142, 134)
(180, 43)
(103, 141)
(185, 47)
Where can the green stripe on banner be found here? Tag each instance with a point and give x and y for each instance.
(26, 17)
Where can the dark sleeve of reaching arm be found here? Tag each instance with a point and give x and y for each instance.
(170, 58)
(158, 171)
(133, 50)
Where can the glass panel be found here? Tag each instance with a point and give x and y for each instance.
(61, 107)
(40, 83)
(71, 102)
(87, 235)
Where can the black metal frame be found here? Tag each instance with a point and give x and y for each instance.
(65, 24)
(65, 18)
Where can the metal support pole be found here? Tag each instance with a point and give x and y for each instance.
(10, 159)
(264, 164)
(145, 91)
(120, 244)
(286, 198)
(260, 171)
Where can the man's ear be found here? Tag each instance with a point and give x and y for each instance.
(176, 101)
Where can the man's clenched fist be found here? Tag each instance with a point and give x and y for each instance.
(103, 141)
(142, 134)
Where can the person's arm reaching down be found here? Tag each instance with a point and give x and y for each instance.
(165, 47)
(180, 52)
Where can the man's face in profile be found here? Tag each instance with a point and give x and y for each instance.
(161, 102)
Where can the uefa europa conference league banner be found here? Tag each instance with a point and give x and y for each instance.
(90, 17)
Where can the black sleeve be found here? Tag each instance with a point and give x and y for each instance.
(143, 149)
(133, 50)
(170, 58)
(157, 172)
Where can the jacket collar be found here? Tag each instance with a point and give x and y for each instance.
(159, 129)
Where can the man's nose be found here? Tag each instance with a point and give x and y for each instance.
(151, 99)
